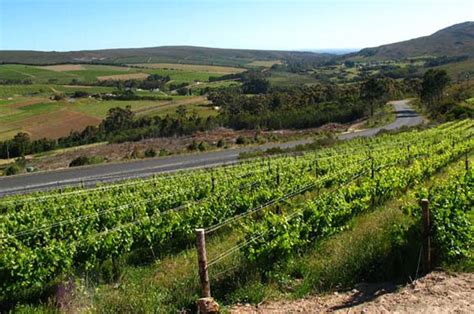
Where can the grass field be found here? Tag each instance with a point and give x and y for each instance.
(263, 63)
(290, 79)
(45, 89)
(87, 73)
(192, 67)
(41, 117)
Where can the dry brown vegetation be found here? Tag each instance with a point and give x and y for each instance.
(58, 123)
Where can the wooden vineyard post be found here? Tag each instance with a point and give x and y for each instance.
(466, 162)
(206, 303)
(372, 168)
(372, 176)
(213, 183)
(426, 227)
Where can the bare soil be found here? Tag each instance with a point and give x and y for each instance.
(438, 292)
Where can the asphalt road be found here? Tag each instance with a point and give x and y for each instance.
(405, 116)
(91, 175)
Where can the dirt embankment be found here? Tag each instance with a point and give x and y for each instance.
(438, 292)
(174, 145)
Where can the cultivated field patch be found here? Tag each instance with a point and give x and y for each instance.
(57, 124)
(123, 77)
(63, 67)
(193, 67)
(264, 63)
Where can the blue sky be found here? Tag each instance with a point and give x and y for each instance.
(63, 25)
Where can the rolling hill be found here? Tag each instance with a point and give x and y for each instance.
(456, 40)
(163, 54)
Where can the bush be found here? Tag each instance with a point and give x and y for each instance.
(202, 146)
(164, 152)
(150, 152)
(84, 160)
(241, 140)
(221, 143)
(12, 170)
(193, 145)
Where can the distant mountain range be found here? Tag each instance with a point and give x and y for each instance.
(456, 40)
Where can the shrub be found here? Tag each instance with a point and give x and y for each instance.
(193, 145)
(84, 160)
(150, 152)
(164, 152)
(241, 140)
(202, 146)
(12, 170)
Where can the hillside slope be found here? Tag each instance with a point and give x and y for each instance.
(164, 54)
(456, 40)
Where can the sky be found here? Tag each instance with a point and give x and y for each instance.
(64, 25)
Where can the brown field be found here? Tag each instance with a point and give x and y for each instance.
(63, 67)
(57, 124)
(28, 102)
(123, 77)
(192, 67)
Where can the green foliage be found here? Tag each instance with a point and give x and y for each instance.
(150, 152)
(41, 241)
(329, 213)
(451, 206)
(85, 160)
(433, 86)
(12, 170)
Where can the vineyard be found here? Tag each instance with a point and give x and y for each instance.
(264, 210)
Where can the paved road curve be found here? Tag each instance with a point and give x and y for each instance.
(405, 116)
(91, 175)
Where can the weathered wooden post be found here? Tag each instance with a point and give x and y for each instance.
(206, 303)
(426, 227)
(372, 168)
(466, 161)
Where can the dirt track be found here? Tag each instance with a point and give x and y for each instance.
(438, 292)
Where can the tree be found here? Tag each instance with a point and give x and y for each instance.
(434, 83)
(374, 91)
(21, 144)
(118, 119)
(255, 85)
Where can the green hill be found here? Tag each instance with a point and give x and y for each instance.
(456, 40)
(164, 54)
